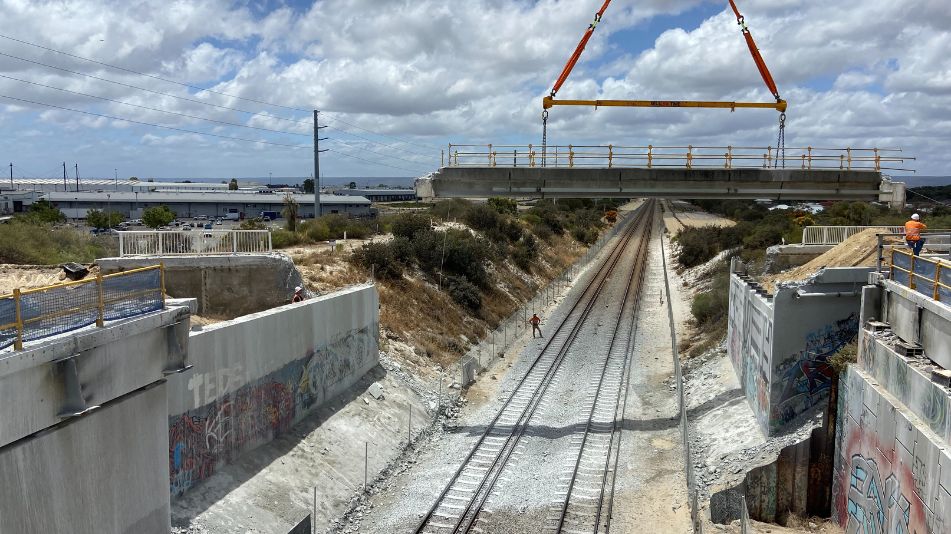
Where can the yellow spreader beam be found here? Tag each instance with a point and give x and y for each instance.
(779, 105)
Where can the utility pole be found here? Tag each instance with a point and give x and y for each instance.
(117, 179)
(77, 177)
(317, 152)
(11, 177)
(65, 183)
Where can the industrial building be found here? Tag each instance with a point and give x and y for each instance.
(15, 201)
(251, 204)
(381, 195)
(48, 185)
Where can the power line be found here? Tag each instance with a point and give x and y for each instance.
(154, 125)
(337, 119)
(219, 106)
(154, 109)
(370, 161)
(204, 133)
(367, 139)
(374, 152)
(153, 76)
(912, 191)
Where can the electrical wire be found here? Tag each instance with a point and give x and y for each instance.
(219, 106)
(367, 139)
(395, 138)
(154, 109)
(101, 115)
(370, 161)
(374, 152)
(153, 76)
(912, 191)
(199, 88)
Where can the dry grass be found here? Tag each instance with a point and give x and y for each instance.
(414, 311)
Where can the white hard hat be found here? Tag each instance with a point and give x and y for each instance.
(915, 217)
(298, 288)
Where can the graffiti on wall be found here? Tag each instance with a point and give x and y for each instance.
(804, 377)
(874, 505)
(235, 415)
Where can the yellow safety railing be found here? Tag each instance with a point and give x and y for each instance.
(689, 156)
(934, 282)
(71, 304)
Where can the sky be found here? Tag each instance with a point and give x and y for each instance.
(397, 81)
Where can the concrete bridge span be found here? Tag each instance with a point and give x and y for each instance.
(683, 183)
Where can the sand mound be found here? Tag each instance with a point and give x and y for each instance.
(33, 276)
(860, 250)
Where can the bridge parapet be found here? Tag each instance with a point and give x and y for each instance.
(685, 157)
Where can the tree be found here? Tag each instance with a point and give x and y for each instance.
(309, 185)
(290, 212)
(157, 216)
(43, 211)
(352, 185)
(133, 178)
(233, 184)
(102, 220)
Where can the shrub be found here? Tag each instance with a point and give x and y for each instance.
(503, 205)
(316, 230)
(380, 259)
(24, 242)
(408, 225)
(283, 238)
(525, 252)
(483, 218)
(464, 292)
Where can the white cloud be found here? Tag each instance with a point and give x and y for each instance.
(871, 72)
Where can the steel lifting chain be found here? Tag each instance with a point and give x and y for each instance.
(544, 137)
(781, 142)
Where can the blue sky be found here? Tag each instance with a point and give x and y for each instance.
(400, 80)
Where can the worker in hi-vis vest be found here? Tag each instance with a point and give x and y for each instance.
(913, 237)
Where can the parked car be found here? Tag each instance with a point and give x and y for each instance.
(218, 222)
(186, 228)
(208, 226)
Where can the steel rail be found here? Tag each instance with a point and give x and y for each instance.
(540, 394)
(588, 297)
(637, 271)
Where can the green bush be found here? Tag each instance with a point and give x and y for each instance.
(408, 225)
(315, 230)
(23, 242)
(464, 292)
(711, 307)
(503, 205)
(380, 259)
(157, 216)
(282, 238)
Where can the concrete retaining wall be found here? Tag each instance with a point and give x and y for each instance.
(893, 466)
(780, 345)
(104, 472)
(255, 377)
(225, 286)
(892, 474)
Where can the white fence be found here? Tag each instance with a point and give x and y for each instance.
(833, 235)
(200, 242)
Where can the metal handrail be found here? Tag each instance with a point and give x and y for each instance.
(20, 323)
(935, 281)
(198, 242)
(689, 156)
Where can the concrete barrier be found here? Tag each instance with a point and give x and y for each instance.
(256, 376)
(226, 285)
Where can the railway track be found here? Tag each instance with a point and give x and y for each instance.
(462, 504)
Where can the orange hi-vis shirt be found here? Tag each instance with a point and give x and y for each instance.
(913, 230)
